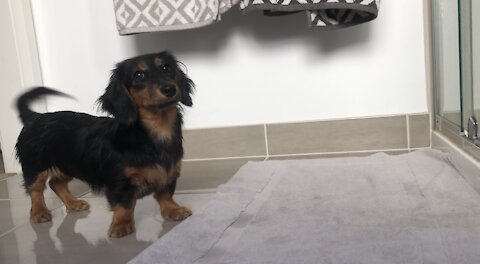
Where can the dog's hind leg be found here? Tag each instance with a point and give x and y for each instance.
(39, 212)
(59, 184)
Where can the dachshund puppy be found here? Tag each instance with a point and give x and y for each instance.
(136, 152)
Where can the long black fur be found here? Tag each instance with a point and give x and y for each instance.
(95, 149)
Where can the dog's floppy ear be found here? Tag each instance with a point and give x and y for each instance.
(186, 88)
(116, 100)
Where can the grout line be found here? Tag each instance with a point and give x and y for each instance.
(226, 158)
(414, 149)
(196, 191)
(85, 193)
(309, 154)
(267, 151)
(408, 132)
(10, 230)
(338, 152)
(46, 198)
(27, 199)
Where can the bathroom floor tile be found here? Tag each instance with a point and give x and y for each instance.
(15, 203)
(81, 237)
(16, 212)
(12, 188)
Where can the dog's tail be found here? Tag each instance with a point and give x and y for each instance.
(34, 94)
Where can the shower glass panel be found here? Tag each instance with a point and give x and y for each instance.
(445, 17)
(456, 40)
(475, 16)
(469, 24)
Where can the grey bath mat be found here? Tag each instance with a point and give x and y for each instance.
(411, 208)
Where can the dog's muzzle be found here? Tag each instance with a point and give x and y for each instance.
(169, 91)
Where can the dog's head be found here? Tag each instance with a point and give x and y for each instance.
(153, 82)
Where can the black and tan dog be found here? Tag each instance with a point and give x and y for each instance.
(135, 153)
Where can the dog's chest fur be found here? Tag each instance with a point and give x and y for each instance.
(152, 178)
(166, 138)
(161, 125)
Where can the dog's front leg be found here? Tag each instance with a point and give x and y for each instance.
(123, 222)
(169, 209)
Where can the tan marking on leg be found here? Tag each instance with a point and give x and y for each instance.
(60, 186)
(169, 209)
(123, 222)
(39, 212)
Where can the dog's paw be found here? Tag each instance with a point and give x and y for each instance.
(176, 213)
(120, 230)
(40, 216)
(77, 205)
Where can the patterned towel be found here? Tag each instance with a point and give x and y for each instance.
(321, 14)
(137, 16)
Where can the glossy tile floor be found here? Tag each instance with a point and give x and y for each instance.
(79, 237)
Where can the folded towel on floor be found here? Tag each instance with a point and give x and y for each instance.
(321, 14)
(137, 16)
(410, 208)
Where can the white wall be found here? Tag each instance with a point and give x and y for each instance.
(19, 68)
(248, 69)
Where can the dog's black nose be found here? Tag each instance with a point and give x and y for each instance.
(168, 90)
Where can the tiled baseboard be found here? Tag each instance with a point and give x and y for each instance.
(213, 155)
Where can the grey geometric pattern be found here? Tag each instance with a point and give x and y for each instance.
(321, 14)
(136, 16)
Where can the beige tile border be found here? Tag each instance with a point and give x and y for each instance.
(338, 136)
(423, 139)
(224, 142)
(231, 151)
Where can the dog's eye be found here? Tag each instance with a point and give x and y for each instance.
(139, 75)
(166, 68)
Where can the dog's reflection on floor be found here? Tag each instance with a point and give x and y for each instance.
(75, 247)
